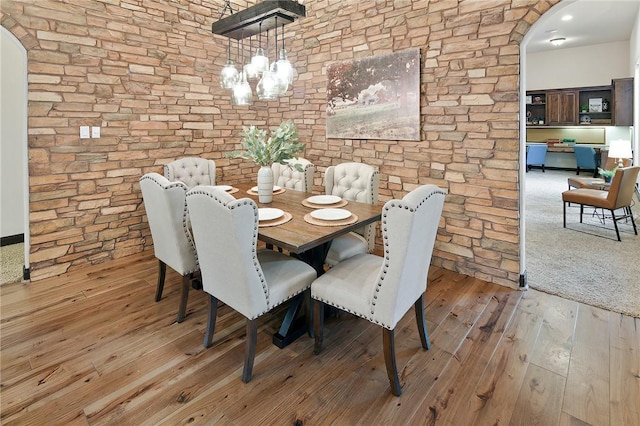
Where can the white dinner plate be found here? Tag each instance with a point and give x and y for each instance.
(324, 199)
(275, 188)
(223, 187)
(330, 214)
(267, 213)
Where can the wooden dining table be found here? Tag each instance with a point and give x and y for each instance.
(306, 241)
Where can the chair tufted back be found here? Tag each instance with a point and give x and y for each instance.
(230, 271)
(166, 208)
(192, 171)
(358, 182)
(409, 229)
(286, 176)
(353, 181)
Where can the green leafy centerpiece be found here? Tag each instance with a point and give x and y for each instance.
(281, 146)
(607, 174)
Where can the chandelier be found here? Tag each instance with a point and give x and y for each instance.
(274, 80)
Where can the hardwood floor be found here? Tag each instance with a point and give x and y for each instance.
(92, 347)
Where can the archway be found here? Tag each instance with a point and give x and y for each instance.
(15, 170)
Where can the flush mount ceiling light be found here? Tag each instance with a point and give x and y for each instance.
(558, 41)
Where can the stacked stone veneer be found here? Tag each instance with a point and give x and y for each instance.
(147, 73)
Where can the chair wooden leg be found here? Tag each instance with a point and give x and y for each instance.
(615, 224)
(186, 283)
(211, 321)
(318, 326)
(309, 304)
(564, 214)
(422, 324)
(162, 271)
(250, 353)
(388, 344)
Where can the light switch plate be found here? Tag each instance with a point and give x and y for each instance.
(84, 132)
(95, 132)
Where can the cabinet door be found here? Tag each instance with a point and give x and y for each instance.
(623, 102)
(562, 108)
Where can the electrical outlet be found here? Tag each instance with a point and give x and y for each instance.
(95, 132)
(84, 132)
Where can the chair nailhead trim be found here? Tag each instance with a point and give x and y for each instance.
(385, 237)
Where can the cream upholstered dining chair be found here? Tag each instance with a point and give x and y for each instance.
(358, 182)
(286, 176)
(192, 171)
(619, 196)
(234, 271)
(165, 204)
(382, 289)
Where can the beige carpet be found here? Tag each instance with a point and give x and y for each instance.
(11, 263)
(583, 262)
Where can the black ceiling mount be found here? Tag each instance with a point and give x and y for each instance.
(246, 23)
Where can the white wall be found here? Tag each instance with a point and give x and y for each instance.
(13, 143)
(594, 65)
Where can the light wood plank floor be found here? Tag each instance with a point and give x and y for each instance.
(92, 347)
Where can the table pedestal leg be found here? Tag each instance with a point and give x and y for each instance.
(294, 324)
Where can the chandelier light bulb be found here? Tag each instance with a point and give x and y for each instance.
(229, 75)
(242, 94)
(285, 70)
(268, 87)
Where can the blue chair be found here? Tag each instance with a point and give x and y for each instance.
(536, 156)
(586, 159)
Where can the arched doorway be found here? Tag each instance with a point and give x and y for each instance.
(15, 174)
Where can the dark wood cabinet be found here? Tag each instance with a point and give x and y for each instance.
(623, 101)
(594, 105)
(562, 108)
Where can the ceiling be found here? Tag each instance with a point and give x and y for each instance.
(594, 22)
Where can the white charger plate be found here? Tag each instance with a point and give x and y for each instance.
(330, 214)
(324, 199)
(275, 188)
(223, 187)
(268, 213)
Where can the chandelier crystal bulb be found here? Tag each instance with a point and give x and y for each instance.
(285, 70)
(251, 72)
(259, 61)
(242, 94)
(281, 82)
(268, 87)
(229, 75)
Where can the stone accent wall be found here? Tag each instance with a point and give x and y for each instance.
(147, 73)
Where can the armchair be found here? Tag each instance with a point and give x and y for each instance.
(357, 182)
(382, 290)
(192, 171)
(286, 176)
(586, 159)
(619, 196)
(166, 210)
(234, 271)
(536, 156)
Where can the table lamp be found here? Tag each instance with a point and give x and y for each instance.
(620, 149)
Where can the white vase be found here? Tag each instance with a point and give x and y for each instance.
(265, 184)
